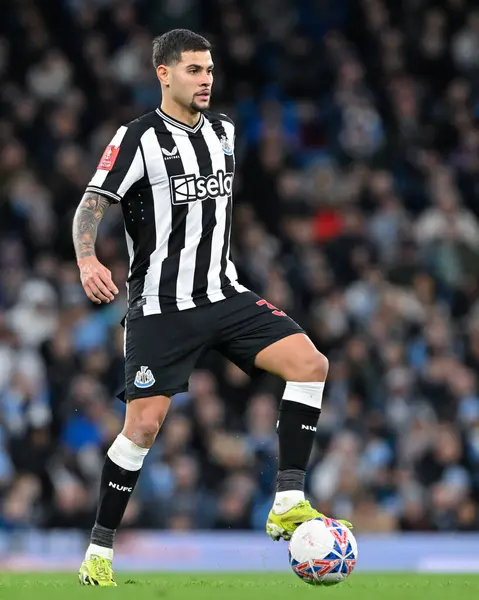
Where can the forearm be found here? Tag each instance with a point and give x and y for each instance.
(87, 218)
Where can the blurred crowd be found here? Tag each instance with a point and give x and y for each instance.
(356, 212)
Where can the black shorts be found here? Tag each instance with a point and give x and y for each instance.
(162, 350)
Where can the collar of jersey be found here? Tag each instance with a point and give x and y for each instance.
(179, 124)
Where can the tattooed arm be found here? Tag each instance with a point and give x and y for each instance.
(85, 223)
(95, 278)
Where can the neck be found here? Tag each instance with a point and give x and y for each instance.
(180, 113)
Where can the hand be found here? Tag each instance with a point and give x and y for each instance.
(96, 280)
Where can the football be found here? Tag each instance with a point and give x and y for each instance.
(323, 552)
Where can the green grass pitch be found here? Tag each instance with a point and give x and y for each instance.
(282, 586)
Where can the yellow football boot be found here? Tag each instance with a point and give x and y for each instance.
(283, 525)
(97, 570)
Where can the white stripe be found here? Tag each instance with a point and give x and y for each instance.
(99, 178)
(194, 225)
(160, 187)
(230, 268)
(124, 335)
(129, 245)
(100, 175)
(230, 131)
(119, 135)
(218, 163)
(134, 173)
(231, 272)
(131, 256)
(238, 287)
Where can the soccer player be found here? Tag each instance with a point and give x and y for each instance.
(172, 172)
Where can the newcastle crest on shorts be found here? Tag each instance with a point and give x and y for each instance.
(144, 378)
(226, 145)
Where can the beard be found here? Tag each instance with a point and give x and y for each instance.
(198, 108)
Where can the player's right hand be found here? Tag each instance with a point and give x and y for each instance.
(96, 280)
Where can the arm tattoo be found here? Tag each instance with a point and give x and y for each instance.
(85, 223)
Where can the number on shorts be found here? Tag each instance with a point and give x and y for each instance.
(276, 311)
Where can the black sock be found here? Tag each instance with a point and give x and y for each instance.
(296, 431)
(116, 487)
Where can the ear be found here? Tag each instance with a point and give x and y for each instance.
(163, 74)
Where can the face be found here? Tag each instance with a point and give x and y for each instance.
(189, 81)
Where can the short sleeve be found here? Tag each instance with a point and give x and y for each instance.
(120, 166)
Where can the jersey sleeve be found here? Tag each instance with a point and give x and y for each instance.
(120, 166)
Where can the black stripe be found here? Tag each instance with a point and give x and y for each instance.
(230, 167)
(176, 242)
(208, 220)
(139, 215)
(229, 291)
(222, 117)
(224, 279)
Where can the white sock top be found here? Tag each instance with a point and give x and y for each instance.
(309, 393)
(126, 454)
(285, 500)
(94, 550)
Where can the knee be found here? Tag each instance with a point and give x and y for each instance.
(313, 368)
(142, 431)
(142, 426)
(148, 426)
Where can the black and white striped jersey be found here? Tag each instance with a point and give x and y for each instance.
(174, 183)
